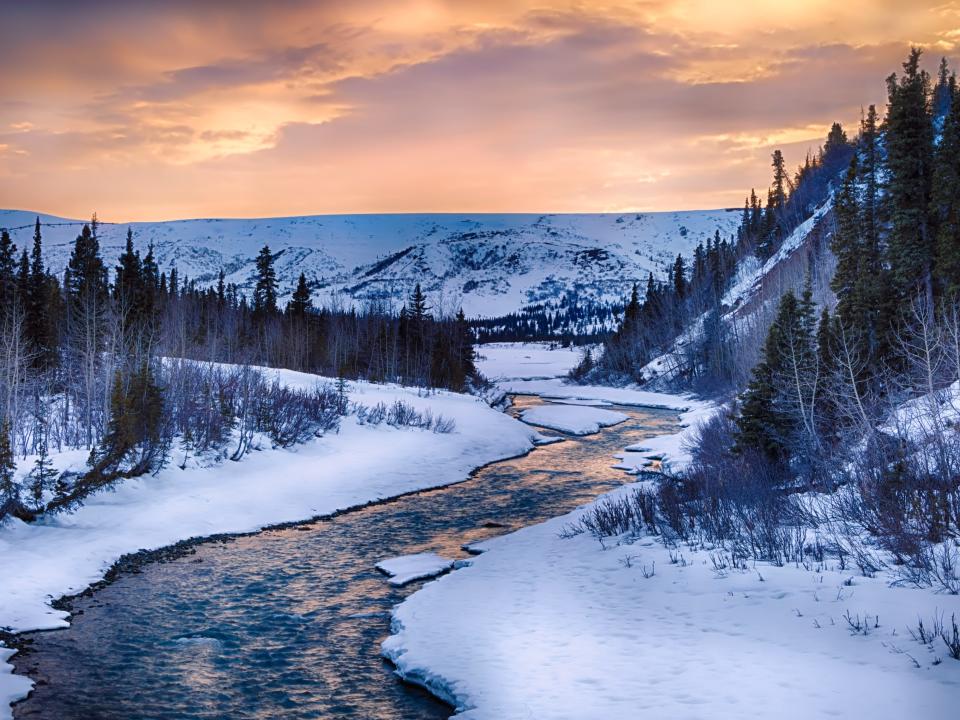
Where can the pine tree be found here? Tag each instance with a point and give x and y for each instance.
(780, 180)
(466, 353)
(85, 280)
(300, 303)
(778, 405)
(127, 286)
(946, 202)
(679, 278)
(265, 292)
(943, 91)
(38, 325)
(43, 474)
(909, 143)
(9, 489)
(8, 271)
(847, 245)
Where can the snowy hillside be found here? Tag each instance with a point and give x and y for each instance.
(496, 263)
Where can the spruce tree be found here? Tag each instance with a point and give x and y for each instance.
(8, 271)
(300, 303)
(909, 144)
(43, 474)
(85, 280)
(679, 278)
(778, 404)
(265, 292)
(9, 489)
(946, 202)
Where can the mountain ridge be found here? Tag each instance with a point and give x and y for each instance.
(491, 263)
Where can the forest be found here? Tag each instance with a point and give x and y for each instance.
(846, 423)
(123, 363)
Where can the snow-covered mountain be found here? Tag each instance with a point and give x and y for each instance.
(493, 264)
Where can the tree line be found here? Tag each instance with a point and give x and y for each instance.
(99, 359)
(856, 396)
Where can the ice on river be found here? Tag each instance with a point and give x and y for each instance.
(544, 625)
(65, 553)
(407, 568)
(573, 419)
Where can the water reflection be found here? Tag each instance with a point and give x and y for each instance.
(287, 623)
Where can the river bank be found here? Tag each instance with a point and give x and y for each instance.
(555, 625)
(289, 622)
(65, 554)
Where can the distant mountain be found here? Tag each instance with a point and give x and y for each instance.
(492, 264)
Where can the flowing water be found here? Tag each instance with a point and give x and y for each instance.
(288, 623)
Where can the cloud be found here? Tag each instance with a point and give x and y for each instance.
(254, 108)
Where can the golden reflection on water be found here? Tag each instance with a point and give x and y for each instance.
(288, 622)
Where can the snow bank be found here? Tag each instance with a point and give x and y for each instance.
(407, 568)
(557, 389)
(546, 627)
(508, 361)
(573, 419)
(65, 553)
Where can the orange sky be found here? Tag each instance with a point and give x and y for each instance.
(145, 110)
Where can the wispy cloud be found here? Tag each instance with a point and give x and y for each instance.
(143, 109)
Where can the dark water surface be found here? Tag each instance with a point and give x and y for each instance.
(288, 623)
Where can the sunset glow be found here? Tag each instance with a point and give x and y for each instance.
(143, 110)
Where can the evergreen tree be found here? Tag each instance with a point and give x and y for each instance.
(38, 325)
(777, 407)
(265, 292)
(466, 354)
(780, 181)
(43, 474)
(943, 91)
(85, 279)
(909, 144)
(8, 271)
(847, 245)
(679, 278)
(127, 286)
(836, 141)
(9, 489)
(300, 303)
(946, 201)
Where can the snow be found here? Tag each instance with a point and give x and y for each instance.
(65, 553)
(546, 626)
(528, 361)
(752, 272)
(492, 264)
(407, 568)
(573, 419)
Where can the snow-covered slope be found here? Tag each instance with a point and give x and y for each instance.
(496, 263)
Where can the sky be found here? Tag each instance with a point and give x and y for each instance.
(141, 110)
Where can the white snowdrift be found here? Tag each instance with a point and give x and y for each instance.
(65, 553)
(552, 628)
(530, 361)
(573, 419)
(407, 568)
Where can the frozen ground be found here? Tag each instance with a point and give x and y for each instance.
(407, 568)
(65, 553)
(543, 625)
(528, 361)
(550, 627)
(573, 419)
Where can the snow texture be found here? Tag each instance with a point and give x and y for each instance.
(65, 553)
(492, 264)
(552, 627)
(572, 419)
(545, 625)
(407, 568)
